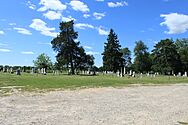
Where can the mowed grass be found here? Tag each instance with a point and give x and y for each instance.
(48, 82)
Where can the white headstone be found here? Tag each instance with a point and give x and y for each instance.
(124, 70)
(130, 72)
(32, 71)
(133, 74)
(179, 74)
(11, 70)
(118, 73)
(141, 75)
(185, 74)
(44, 71)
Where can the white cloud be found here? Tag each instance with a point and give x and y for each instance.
(117, 4)
(40, 25)
(102, 31)
(176, 23)
(27, 53)
(31, 5)
(4, 50)
(100, 0)
(83, 26)
(98, 16)
(67, 19)
(88, 47)
(52, 15)
(79, 6)
(12, 24)
(86, 15)
(51, 5)
(92, 53)
(2, 44)
(22, 31)
(2, 32)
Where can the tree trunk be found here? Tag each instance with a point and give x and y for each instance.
(72, 68)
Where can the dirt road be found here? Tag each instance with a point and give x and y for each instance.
(143, 105)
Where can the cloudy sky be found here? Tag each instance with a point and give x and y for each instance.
(27, 27)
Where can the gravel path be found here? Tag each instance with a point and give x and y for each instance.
(143, 105)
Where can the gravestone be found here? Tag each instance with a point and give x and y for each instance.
(124, 71)
(118, 74)
(41, 71)
(133, 75)
(141, 75)
(32, 71)
(11, 70)
(185, 74)
(179, 74)
(44, 71)
(18, 71)
(130, 73)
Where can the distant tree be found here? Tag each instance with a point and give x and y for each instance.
(43, 61)
(112, 56)
(165, 57)
(127, 57)
(15, 67)
(90, 61)
(95, 68)
(142, 61)
(101, 69)
(182, 49)
(66, 46)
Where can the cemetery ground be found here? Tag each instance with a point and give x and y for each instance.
(105, 100)
(38, 82)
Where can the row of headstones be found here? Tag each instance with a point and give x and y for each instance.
(179, 74)
(88, 72)
(18, 71)
(10, 70)
(133, 74)
(40, 71)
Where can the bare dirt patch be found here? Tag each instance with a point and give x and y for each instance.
(142, 105)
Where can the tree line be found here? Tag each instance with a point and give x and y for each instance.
(167, 57)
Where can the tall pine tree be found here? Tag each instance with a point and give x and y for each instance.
(112, 57)
(65, 46)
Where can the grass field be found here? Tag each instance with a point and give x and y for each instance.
(46, 82)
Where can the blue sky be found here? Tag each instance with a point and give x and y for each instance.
(27, 27)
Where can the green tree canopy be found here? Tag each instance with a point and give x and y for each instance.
(165, 57)
(182, 48)
(126, 56)
(43, 61)
(65, 46)
(69, 53)
(112, 57)
(142, 61)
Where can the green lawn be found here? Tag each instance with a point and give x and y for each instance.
(41, 82)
